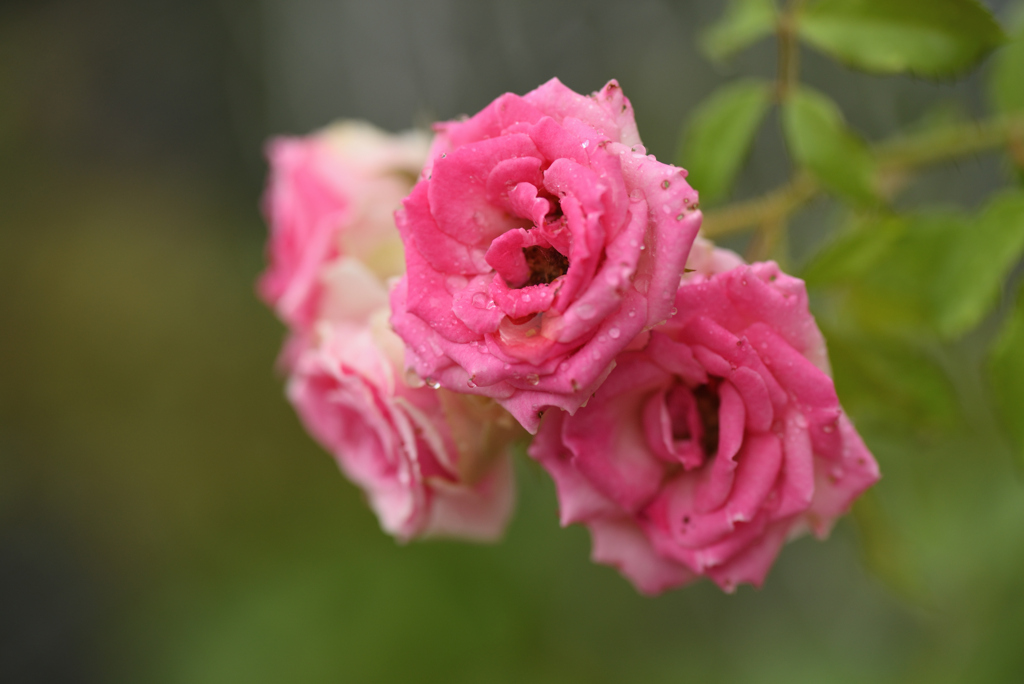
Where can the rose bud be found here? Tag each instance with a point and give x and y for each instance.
(540, 241)
(704, 451)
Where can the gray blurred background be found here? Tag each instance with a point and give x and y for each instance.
(164, 518)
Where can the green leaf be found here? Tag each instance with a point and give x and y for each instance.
(719, 136)
(743, 23)
(1006, 81)
(1006, 375)
(855, 251)
(934, 38)
(970, 277)
(820, 140)
(890, 276)
(891, 382)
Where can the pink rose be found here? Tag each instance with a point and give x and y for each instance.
(432, 463)
(540, 242)
(331, 194)
(720, 439)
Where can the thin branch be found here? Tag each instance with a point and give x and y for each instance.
(770, 208)
(900, 154)
(788, 74)
(946, 143)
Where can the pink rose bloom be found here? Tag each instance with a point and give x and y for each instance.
(718, 440)
(333, 193)
(540, 242)
(432, 463)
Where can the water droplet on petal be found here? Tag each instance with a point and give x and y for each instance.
(614, 333)
(584, 144)
(434, 384)
(585, 311)
(632, 314)
(533, 379)
(680, 217)
(470, 384)
(480, 300)
(526, 297)
(665, 184)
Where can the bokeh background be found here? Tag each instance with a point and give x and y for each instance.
(163, 516)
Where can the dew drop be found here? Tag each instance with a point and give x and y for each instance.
(632, 314)
(526, 297)
(665, 184)
(674, 311)
(480, 300)
(614, 332)
(586, 311)
(828, 428)
(432, 383)
(585, 144)
(680, 217)
(533, 379)
(470, 384)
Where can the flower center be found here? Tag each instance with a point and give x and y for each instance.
(545, 263)
(693, 414)
(707, 408)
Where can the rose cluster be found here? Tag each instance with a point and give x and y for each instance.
(553, 285)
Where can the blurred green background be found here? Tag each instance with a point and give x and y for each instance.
(163, 516)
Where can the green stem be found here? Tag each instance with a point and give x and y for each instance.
(942, 144)
(772, 207)
(788, 74)
(896, 156)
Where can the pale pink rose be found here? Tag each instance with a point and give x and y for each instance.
(333, 194)
(432, 463)
(541, 240)
(718, 440)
